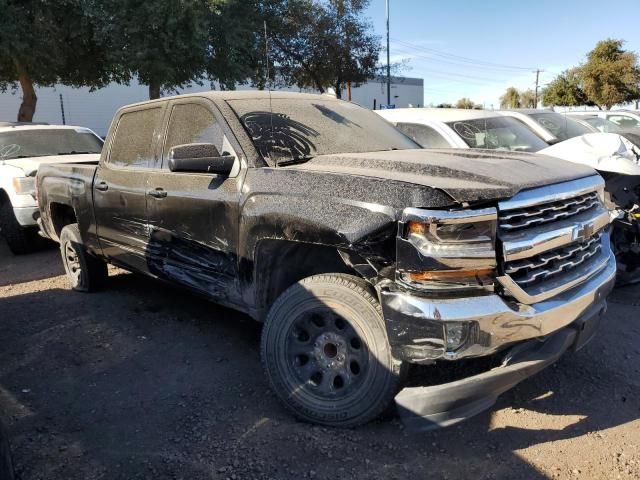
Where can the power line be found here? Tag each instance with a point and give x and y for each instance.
(460, 58)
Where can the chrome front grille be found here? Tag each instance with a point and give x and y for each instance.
(553, 238)
(520, 218)
(553, 263)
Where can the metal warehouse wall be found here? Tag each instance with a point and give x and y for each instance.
(95, 109)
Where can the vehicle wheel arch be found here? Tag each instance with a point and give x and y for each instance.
(62, 215)
(278, 264)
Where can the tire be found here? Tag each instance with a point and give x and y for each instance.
(326, 354)
(85, 272)
(20, 239)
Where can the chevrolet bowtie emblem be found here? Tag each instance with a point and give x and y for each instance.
(582, 232)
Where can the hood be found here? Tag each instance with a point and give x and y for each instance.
(465, 175)
(606, 152)
(30, 165)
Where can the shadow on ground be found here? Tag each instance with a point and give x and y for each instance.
(145, 381)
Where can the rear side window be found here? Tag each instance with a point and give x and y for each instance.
(193, 123)
(423, 135)
(133, 142)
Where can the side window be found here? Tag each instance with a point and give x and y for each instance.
(624, 121)
(193, 123)
(425, 136)
(132, 145)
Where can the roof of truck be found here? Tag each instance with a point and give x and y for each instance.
(242, 95)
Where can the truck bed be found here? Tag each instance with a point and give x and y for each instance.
(64, 188)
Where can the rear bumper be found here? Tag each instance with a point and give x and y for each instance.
(26, 216)
(421, 330)
(427, 408)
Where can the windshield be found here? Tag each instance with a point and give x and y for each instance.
(300, 129)
(45, 142)
(560, 126)
(498, 133)
(602, 125)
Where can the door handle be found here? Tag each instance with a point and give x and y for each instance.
(157, 193)
(102, 186)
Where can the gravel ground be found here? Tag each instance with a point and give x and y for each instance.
(141, 381)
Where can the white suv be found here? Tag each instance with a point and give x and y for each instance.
(23, 147)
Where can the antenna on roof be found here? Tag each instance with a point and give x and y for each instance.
(268, 82)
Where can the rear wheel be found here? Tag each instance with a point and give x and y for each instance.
(326, 354)
(85, 272)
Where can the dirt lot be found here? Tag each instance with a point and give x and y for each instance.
(143, 381)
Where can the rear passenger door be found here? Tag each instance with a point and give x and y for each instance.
(120, 186)
(194, 224)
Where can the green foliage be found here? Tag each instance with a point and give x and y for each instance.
(44, 43)
(466, 103)
(528, 99)
(565, 90)
(611, 75)
(322, 44)
(510, 99)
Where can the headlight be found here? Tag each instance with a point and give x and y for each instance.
(24, 185)
(440, 250)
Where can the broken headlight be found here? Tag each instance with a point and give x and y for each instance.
(443, 250)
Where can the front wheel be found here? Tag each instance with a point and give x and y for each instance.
(85, 272)
(326, 353)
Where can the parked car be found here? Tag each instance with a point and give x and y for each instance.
(612, 155)
(360, 251)
(625, 119)
(23, 147)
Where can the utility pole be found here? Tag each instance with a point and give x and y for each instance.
(535, 102)
(64, 120)
(388, 59)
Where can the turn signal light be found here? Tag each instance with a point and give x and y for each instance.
(449, 275)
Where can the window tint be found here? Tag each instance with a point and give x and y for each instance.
(624, 121)
(133, 142)
(193, 123)
(425, 136)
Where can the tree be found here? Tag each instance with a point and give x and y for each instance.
(611, 75)
(565, 90)
(466, 103)
(164, 43)
(510, 99)
(322, 44)
(527, 99)
(43, 43)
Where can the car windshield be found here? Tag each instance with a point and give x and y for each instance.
(45, 142)
(289, 130)
(498, 133)
(560, 126)
(602, 125)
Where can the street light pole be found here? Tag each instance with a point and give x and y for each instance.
(388, 59)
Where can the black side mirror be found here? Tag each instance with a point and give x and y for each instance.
(200, 157)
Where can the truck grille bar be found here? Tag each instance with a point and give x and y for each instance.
(545, 249)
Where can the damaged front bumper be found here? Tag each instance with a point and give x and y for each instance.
(422, 330)
(428, 408)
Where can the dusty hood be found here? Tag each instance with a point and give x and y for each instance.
(467, 176)
(30, 165)
(606, 152)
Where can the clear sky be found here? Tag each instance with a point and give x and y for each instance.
(477, 49)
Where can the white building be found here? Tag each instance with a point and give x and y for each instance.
(95, 109)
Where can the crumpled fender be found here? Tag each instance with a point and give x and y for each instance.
(605, 152)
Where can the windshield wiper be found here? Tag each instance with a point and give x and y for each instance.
(284, 163)
(73, 152)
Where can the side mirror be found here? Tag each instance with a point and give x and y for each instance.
(200, 157)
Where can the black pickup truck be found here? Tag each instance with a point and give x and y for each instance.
(360, 252)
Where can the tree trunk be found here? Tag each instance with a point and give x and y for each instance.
(154, 90)
(29, 99)
(338, 88)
